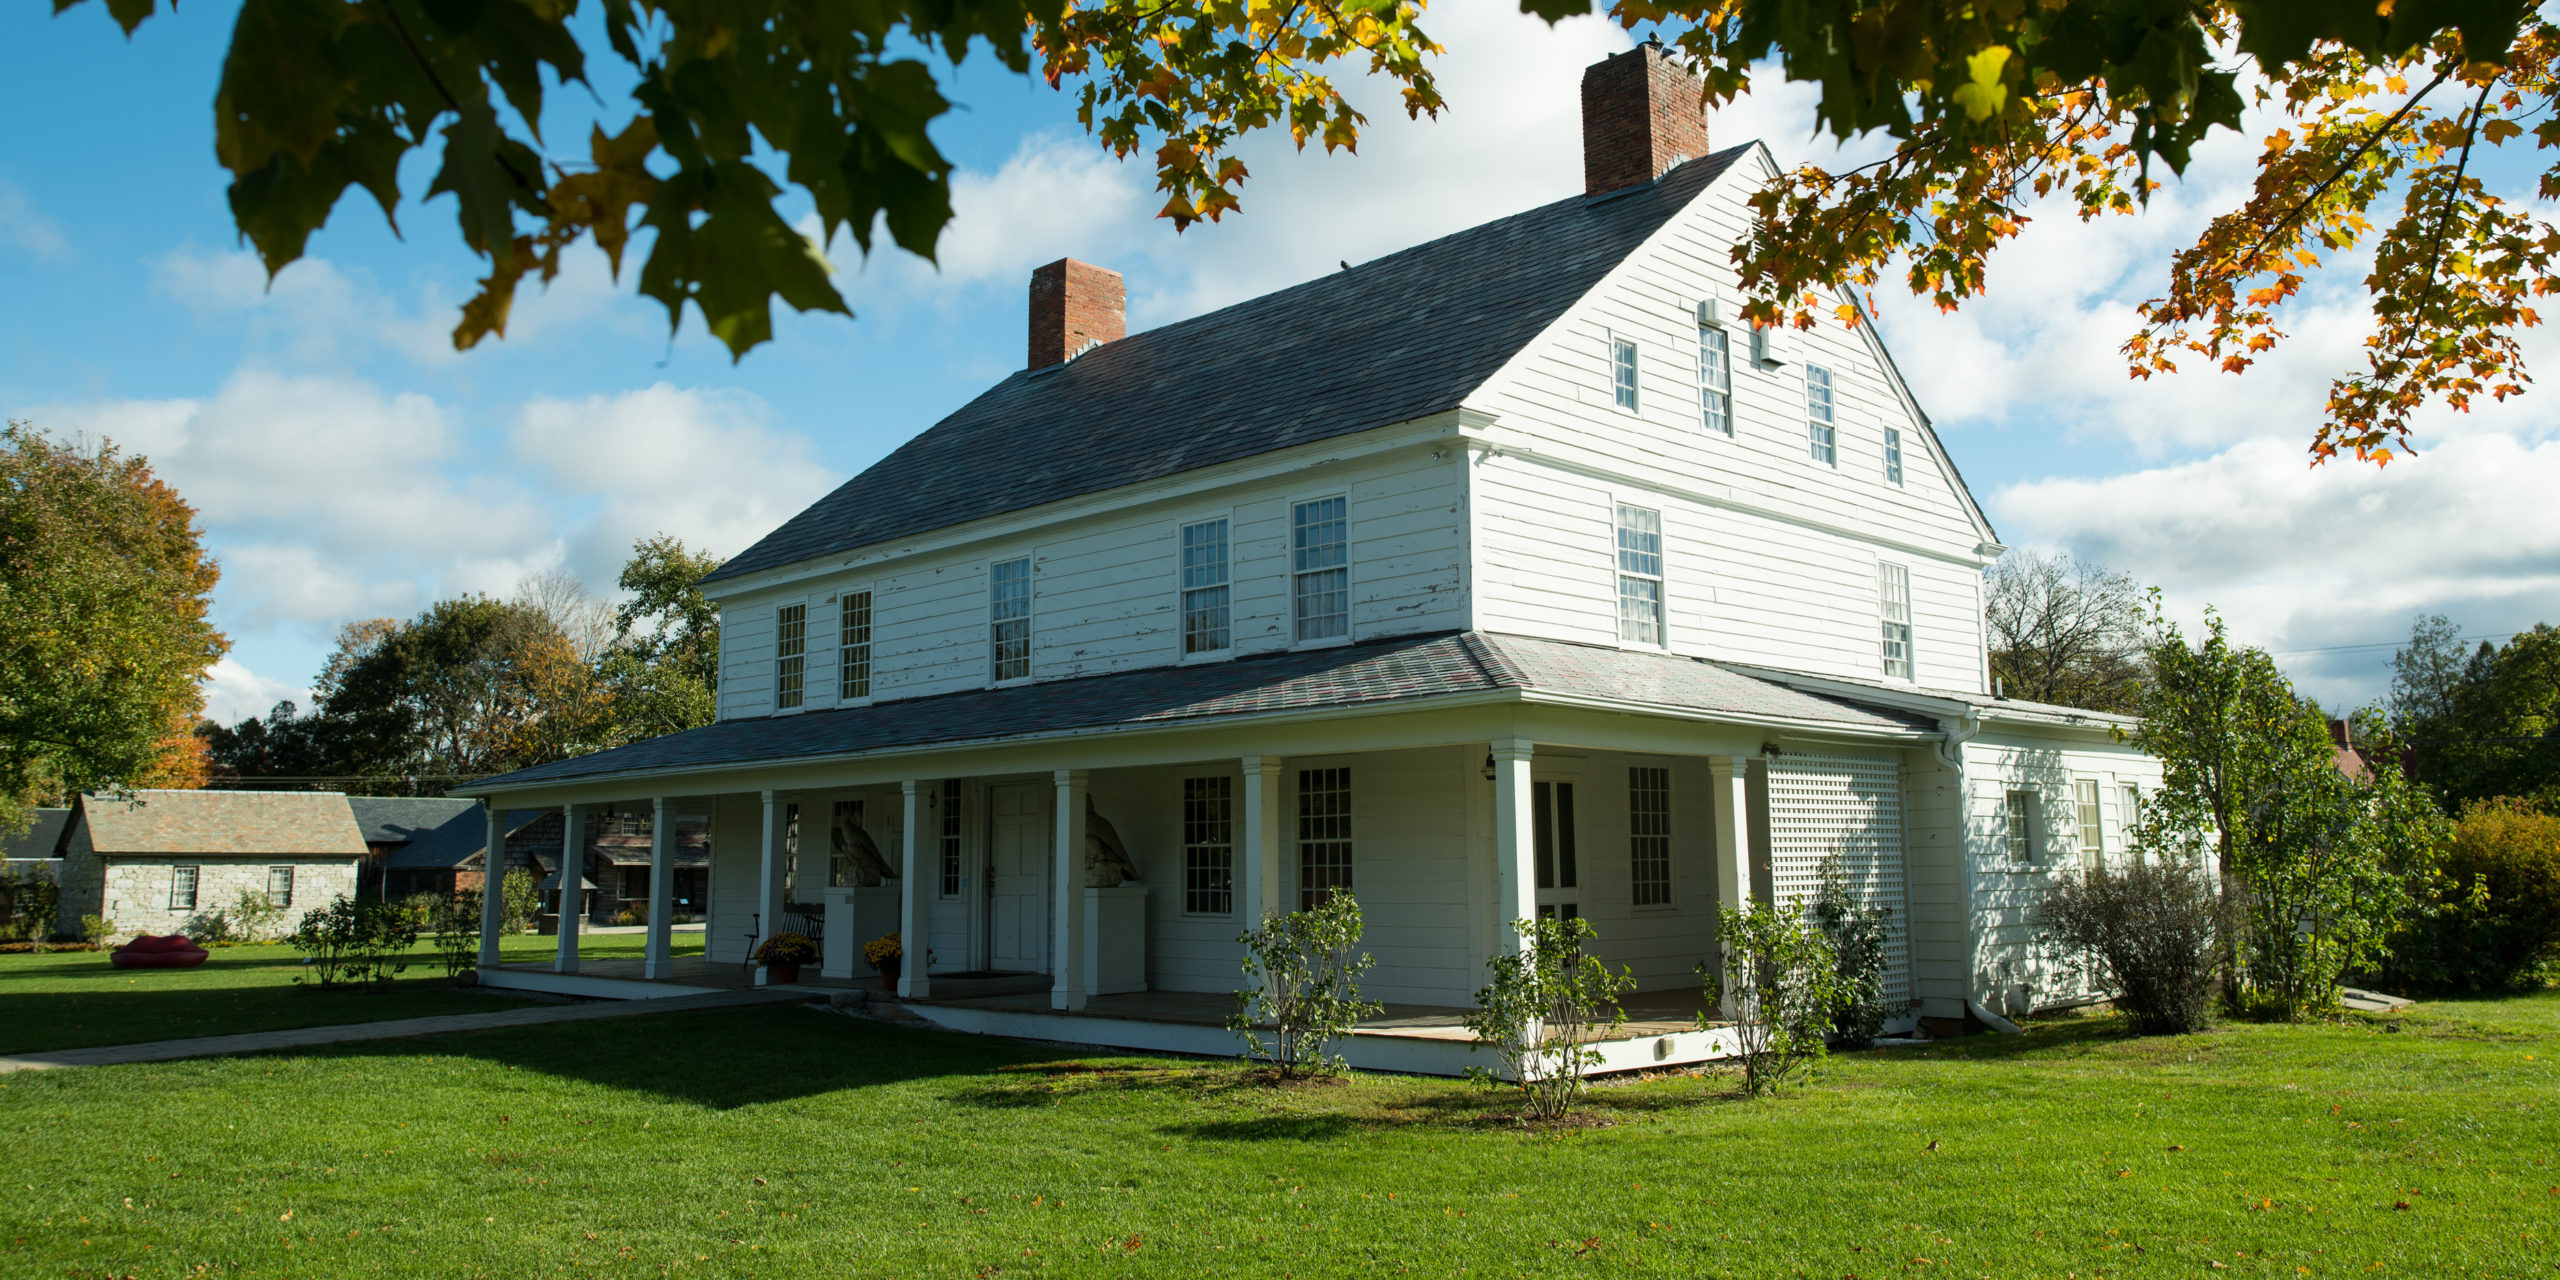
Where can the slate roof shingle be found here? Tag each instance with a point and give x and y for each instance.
(1406, 668)
(433, 833)
(1391, 340)
(220, 823)
(42, 840)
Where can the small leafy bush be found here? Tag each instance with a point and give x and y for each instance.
(1546, 1002)
(454, 920)
(1781, 984)
(98, 929)
(636, 913)
(30, 902)
(2147, 934)
(348, 943)
(1308, 995)
(521, 900)
(1858, 936)
(2493, 918)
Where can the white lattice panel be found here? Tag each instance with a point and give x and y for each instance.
(1849, 806)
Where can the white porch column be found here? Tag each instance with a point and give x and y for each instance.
(915, 898)
(1071, 984)
(1260, 883)
(1729, 795)
(659, 960)
(573, 870)
(1514, 840)
(493, 884)
(769, 902)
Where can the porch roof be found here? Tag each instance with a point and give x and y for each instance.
(1416, 669)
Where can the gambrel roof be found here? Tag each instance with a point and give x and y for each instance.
(1403, 669)
(1391, 340)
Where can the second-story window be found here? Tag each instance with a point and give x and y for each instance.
(1320, 565)
(1009, 619)
(1204, 587)
(1821, 421)
(1715, 379)
(1622, 373)
(853, 647)
(1893, 455)
(1893, 603)
(1639, 574)
(790, 651)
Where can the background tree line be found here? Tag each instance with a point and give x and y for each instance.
(476, 685)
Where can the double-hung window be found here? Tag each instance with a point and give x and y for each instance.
(1649, 835)
(1208, 846)
(182, 888)
(1324, 835)
(2019, 817)
(1320, 567)
(1622, 373)
(790, 653)
(1893, 605)
(1009, 619)
(1639, 574)
(1715, 379)
(853, 647)
(1821, 416)
(2084, 804)
(2129, 818)
(280, 886)
(1893, 455)
(1204, 587)
(950, 807)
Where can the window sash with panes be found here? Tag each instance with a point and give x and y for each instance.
(950, 807)
(1893, 455)
(280, 886)
(1893, 604)
(182, 887)
(1320, 567)
(853, 647)
(790, 653)
(2019, 821)
(2130, 817)
(1622, 373)
(1324, 834)
(1555, 860)
(1649, 835)
(2084, 804)
(1009, 619)
(1208, 847)
(1639, 575)
(1204, 587)
(1822, 427)
(1715, 379)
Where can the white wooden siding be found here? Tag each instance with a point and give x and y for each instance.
(2007, 970)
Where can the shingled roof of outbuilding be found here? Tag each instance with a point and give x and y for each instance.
(1391, 340)
(220, 823)
(1407, 668)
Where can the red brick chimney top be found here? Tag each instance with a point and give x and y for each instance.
(1641, 114)
(1075, 305)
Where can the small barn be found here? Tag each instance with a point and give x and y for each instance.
(152, 861)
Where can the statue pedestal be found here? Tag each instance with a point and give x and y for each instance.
(1115, 939)
(855, 917)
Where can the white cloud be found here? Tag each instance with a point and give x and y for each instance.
(233, 693)
(316, 313)
(25, 228)
(2301, 558)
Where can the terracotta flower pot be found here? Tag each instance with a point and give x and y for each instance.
(782, 972)
(889, 975)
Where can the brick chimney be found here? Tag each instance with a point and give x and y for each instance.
(1075, 305)
(1641, 114)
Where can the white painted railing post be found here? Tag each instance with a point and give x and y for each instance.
(573, 874)
(915, 898)
(1514, 840)
(493, 884)
(769, 897)
(659, 959)
(1071, 985)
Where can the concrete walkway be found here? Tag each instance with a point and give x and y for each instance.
(263, 1041)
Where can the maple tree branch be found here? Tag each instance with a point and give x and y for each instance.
(2303, 206)
(2452, 195)
(418, 56)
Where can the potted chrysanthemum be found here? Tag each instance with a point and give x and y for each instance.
(887, 956)
(783, 954)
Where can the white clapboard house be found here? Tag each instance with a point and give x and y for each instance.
(1508, 574)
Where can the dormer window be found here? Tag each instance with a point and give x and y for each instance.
(1821, 420)
(1009, 619)
(790, 653)
(1622, 373)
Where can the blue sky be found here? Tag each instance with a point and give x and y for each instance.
(349, 464)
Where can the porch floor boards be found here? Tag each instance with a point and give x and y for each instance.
(1657, 1014)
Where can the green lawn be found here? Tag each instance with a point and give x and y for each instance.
(75, 999)
(788, 1141)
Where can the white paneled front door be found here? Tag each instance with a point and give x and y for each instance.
(1018, 858)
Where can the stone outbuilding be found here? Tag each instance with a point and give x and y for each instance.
(152, 861)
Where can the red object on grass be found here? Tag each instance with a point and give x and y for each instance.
(152, 951)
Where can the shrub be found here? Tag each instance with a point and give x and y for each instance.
(1309, 993)
(30, 902)
(1540, 1011)
(454, 919)
(2147, 934)
(97, 929)
(520, 900)
(1783, 977)
(2493, 919)
(636, 913)
(354, 944)
(1858, 937)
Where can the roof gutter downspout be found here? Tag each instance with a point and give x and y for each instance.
(1990, 1019)
(1950, 747)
